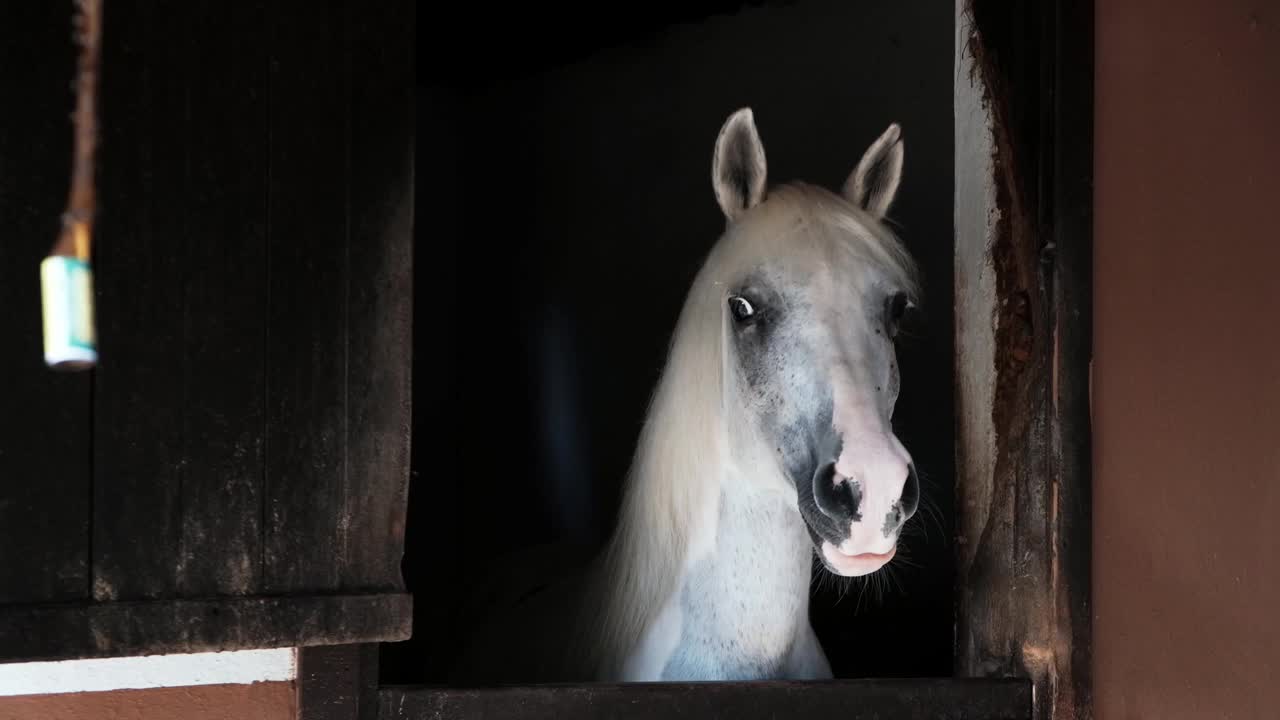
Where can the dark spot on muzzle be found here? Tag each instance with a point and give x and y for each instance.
(906, 505)
(838, 498)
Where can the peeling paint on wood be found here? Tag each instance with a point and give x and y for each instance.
(1024, 583)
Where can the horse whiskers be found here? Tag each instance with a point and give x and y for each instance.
(843, 584)
(916, 531)
(928, 507)
(862, 593)
(822, 580)
(901, 561)
(891, 576)
(934, 513)
(873, 588)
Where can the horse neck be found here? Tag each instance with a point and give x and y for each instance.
(756, 563)
(700, 533)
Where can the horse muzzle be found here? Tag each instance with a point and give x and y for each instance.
(856, 534)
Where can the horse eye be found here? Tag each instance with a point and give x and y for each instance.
(740, 308)
(898, 305)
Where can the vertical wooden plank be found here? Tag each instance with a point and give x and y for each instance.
(305, 528)
(140, 460)
(44, 416)
(1071, 110)
(224, 299)
(380, 291)
(1023, 602)
(338, 682)
(139, 463)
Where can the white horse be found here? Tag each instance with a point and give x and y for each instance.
(768, 440)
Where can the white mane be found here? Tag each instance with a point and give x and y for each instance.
(681, 453)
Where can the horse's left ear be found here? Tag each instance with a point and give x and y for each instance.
(874, 183)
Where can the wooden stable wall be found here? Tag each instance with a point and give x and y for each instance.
(234, 472)
(1186, 395)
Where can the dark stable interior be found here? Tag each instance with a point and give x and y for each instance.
(564, 204)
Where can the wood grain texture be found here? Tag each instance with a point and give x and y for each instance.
(307, 525)
(224, 300)
(45, 430)
(1023, 606)
(905, 699)
(140, 458)
(79, 630)
(338, 682)
(379, 292)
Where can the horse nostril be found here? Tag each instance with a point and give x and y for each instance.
(838, 498)
(910, 493)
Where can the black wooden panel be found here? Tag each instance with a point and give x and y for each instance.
(307, 520)
(338, 682)
(225, 291)
(380, 292)
(900, 699)
(139, 448)
(198, 483)
(77, 630)
(44, 416)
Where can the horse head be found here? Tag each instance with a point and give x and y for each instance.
(813, 290)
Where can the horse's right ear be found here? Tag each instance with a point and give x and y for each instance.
(738, 167)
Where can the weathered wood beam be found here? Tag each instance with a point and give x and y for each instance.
(338, 682)
(904, 699)
(93, 630)
(1024, 97)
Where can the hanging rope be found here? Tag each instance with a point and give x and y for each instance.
(66, 275)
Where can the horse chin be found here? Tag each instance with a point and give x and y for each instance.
(857, 565)
(835, 560)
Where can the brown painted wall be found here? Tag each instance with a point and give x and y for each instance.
(1187, 360)
(256, 701)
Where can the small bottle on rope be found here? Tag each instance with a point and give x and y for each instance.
(66, 285)
(66, 275)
